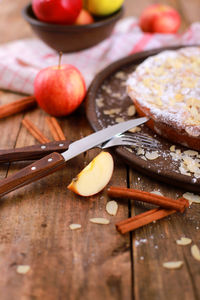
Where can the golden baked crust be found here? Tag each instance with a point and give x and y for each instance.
(166, 87)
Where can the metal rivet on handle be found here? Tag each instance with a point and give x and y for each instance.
(43, 147)
(50, 159)
(61, 145)
(33, 168)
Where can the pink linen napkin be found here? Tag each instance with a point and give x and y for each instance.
(22, 59)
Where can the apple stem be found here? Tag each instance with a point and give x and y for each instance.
(60, 57)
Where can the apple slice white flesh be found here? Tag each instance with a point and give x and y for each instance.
(94, 177)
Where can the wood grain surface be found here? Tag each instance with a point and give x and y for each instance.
(95, 262)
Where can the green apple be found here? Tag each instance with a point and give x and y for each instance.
(102, 7)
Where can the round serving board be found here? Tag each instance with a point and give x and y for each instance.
(107, 103)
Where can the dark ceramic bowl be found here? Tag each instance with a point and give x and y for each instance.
(70, 38)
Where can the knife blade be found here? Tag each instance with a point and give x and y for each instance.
(99, 137)
(55, 161)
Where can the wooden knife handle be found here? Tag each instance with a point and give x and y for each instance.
(41, 168)
(32, 152)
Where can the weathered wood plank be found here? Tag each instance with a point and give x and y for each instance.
(35, 220)
(189, 11)
(13, 26)
(94, 262)
(10, 128)
(155, 244)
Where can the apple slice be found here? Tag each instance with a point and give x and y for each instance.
(94, 177)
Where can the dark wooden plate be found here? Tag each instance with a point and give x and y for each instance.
(107, 101)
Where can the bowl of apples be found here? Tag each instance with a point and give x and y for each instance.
(70, 26)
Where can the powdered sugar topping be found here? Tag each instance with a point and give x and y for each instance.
(168, 85)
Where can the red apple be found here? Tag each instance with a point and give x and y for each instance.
(57, 11)
(59, 90)
(160, 18)
(84, 18)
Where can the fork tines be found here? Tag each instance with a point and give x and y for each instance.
(140, 140)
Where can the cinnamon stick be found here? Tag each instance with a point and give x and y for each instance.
(140, 220)
(35, 131)
(55, 129)
(17, 106)
(165, 202)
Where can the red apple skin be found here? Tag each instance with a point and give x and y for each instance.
(57, 11)
(84, 18)
(59, 90)
(169, 22)
(160, 18)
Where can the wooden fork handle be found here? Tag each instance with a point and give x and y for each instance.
(41, 168)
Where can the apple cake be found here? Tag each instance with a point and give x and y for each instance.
(166, 88)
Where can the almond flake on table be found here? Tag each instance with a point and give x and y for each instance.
(192, 198)
(23, 269)
(112, 208)
(75, 226)
(112, 111)
(183, 170)
(172, 148)
(191, 152)
(101, 221)
(178, 151)
(173, 264)
(189, 161)
(140, 151)
(191, 164)
(143, 157)
(100, 102)
(131, 110)
(156, 193)
(184, 241)
(195, 252)
(119, 120)
(120, 75)
(107, 89)
(135, 129)
(152, 155)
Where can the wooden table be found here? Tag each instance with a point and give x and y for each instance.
(95, 262)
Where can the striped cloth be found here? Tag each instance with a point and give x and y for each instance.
(22, 59)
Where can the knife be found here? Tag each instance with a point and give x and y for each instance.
(55, 161)
(33, 152)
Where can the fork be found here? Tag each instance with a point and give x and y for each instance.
(132, 139)
(38, 151)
